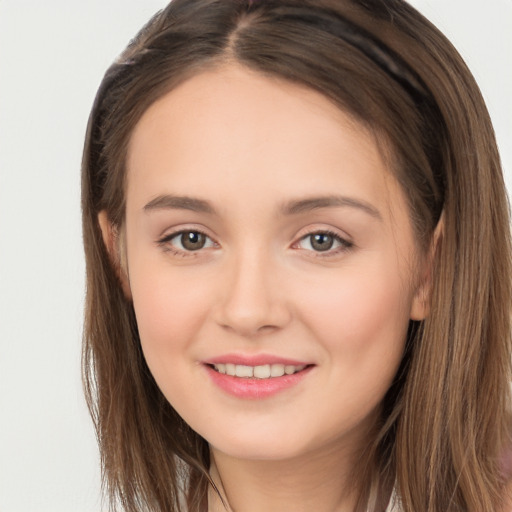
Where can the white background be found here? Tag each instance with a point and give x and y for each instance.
(52, 57)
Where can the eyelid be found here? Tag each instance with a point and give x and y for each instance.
(345, 242)
(164, 240)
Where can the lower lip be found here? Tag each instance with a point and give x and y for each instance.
(252, 388)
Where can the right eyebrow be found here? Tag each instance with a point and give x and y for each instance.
(172, 202)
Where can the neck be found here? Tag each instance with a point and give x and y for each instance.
(321, 481)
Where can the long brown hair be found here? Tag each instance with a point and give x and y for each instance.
(445, 420)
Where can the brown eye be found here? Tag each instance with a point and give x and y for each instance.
(324, 242)
(184, 243)
(321, 241)
(192, 240)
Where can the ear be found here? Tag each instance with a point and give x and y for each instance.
(116, 250)
(420, 306)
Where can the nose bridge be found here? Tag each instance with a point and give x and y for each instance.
(251, 301)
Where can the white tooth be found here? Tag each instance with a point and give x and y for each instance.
(289, 369)
(262, 372)
(230, 369)
(277, 370)
(221, 368)
(243, 371)
(300, 368)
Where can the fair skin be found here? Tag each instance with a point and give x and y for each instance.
(263, 225)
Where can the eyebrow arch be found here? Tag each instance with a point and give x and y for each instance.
(313, 203)
(171, 202)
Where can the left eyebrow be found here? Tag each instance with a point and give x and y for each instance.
(171, 202)
(314, 203)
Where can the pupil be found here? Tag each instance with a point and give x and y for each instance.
(193, 241)
(321, 242)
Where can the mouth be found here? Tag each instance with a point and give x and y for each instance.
(265, 371)
(256, 381)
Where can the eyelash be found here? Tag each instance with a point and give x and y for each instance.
(165, 243)
(344, 245)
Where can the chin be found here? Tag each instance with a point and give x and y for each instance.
(259, 451)
(263, 445)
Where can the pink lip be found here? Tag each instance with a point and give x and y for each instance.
(254, 360)
(254, 388)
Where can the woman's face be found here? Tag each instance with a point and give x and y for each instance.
(266, 238)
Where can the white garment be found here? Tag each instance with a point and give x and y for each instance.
(393, 503)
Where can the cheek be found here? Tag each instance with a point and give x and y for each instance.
(169, 309)
(363, 315)
(361, 321)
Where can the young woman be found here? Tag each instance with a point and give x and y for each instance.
(298, 265)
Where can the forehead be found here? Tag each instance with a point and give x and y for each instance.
(239, 129)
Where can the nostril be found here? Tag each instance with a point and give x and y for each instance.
(265, 328)
(249, 330)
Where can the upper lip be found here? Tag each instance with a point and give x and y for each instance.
(254, 360)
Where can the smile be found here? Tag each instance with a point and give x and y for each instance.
(256, 381)
(265, 371)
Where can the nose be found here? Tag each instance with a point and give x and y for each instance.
(252, 299)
